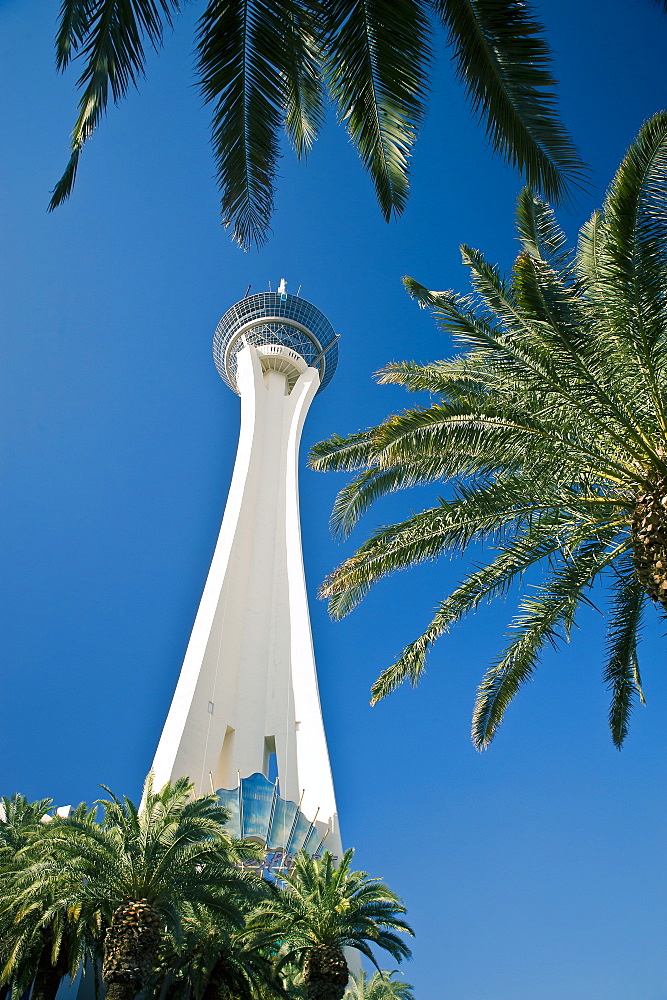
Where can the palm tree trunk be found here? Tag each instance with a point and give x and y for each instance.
(131, 944)
(121, 991)
(326, 973)
(48, 977)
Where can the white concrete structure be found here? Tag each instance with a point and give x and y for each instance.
(248, 685)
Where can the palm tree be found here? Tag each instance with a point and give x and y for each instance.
(20, 825)
(323, 909)
(265, 65)
(143, 869)
(380, 986)
(41, 938)
(551, 428)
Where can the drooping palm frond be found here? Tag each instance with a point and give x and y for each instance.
(550, 432)
(304, 112)
(74, 24)
(543, 619)
(541, 540)
(622, 668)
(109, 36)
(375, 62)
(504, 64)
(488, 514)
(240, 45)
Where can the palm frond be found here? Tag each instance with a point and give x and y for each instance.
(540, 541)
(304, 115)
(504, 64)
(342, 454)
(481, 512)
(74, 24)
(416, 377)
(375, 63)
(632, 258)
(544, 619)
(240, 45)
(539, 232)
(109, 36)
(621, 672)
(355, 498)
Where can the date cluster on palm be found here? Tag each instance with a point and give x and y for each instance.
(649, 541)
(326, 973)
(132, 942)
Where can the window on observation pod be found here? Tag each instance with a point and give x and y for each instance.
(282, 319)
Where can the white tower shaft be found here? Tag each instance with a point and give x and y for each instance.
(248, 686)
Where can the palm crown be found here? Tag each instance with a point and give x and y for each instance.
(175, 848)
(551, 427)
(324, 908)
(379, 986)
(265, 65)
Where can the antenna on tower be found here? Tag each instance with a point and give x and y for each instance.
(247, 292)
(298, 291)
(270, 289)
(282, 290)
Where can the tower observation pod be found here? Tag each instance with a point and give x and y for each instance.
(245, 719)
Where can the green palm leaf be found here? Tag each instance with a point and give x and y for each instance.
(375, 60)
(544, 619)
(264, 65)
(504, 64)
(540, 541)
(240, 45)
(109, 36)
(631, 257)
(622, 669)
(304, 113)
(539, 232)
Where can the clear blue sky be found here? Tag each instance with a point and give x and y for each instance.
(534, 871)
